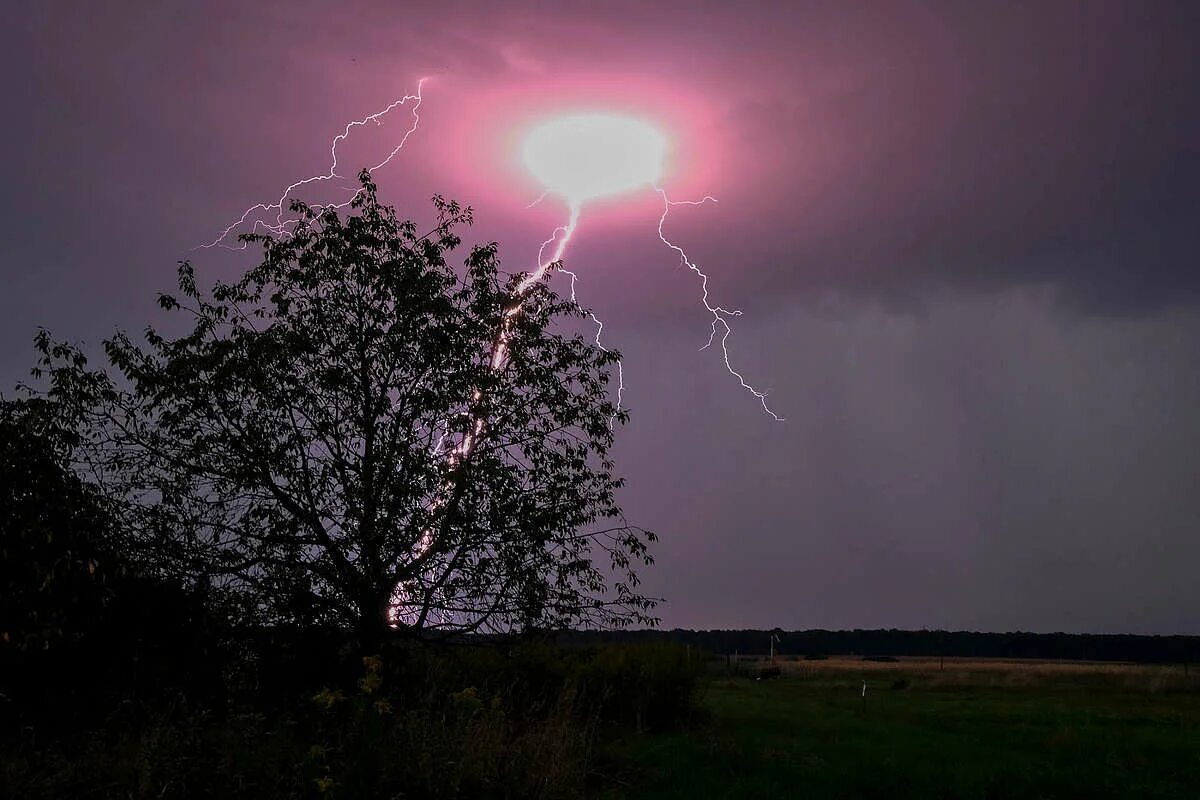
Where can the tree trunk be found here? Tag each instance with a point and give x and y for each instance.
(373, 627)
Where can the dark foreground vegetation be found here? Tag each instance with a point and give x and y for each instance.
(283, 715)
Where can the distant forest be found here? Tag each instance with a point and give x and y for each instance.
(893, 642)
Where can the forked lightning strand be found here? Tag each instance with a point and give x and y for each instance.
(599, 332)
(402, 609)
(280, 226)
(719, 314)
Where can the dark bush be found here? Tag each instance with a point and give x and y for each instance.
(83, 630)
(471, 722)
(648, 686)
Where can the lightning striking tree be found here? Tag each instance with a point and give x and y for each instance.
(302, 445)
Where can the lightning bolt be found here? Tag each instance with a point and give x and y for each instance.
(567, 232)
(720, 316)
(562, 234)
(280, 226)
(721, 329)
(599, 331)
(402, 609)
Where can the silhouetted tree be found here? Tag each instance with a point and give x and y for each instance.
(302, 445)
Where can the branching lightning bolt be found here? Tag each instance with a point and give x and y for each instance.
(279, 228)
(402, 609)
(721, 329)
(567, 230)
(720, 316)
(599, 331)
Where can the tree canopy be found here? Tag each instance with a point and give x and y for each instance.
(333, 442)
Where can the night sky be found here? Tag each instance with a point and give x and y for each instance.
(964, 236)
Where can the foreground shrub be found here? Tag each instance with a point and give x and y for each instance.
(336, 745)
(649, 686)
(498, 722)
(465, 743)
(646, 686)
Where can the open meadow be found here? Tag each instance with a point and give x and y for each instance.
(971, 728)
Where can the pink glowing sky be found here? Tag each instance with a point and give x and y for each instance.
(963, 235)
(482, 144)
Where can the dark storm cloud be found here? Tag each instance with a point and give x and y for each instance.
(991, 145)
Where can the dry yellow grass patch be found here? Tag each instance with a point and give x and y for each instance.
(932, 671)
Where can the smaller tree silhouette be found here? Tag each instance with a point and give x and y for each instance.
(54, 581)
(303, 445)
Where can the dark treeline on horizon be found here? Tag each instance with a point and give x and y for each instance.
(894, 642)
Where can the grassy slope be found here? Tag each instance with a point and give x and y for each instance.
(1007, 731)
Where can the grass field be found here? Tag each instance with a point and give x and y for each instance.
(975, 729)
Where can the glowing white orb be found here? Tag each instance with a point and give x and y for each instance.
(586, 156)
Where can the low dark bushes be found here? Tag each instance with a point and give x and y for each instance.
(304, 715)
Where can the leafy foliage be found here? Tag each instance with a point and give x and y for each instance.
(292, 449)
